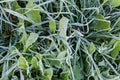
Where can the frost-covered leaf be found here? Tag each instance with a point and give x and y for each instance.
(31, 39)
(37, 62)
(48, 72)
(114, 3)
(15, 5)
(19, 15)
(62, 55)
(64, 76)
(24, 35)
(114, 53)
(91, 48)
(55, 62)
(38, 56)
(34, 63)
(22, 63)
(63, 23)
(14, 50)
(108, 76)
(78, 72)
(20, 10)
(33, 14)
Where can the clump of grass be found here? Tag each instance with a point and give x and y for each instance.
(59, 40)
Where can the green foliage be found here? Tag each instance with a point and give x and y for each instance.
(34, 63)
(91, 48)
(118, 24)
(33, 14)
(15, 5)
(24, 35)
(22, 63)
(31, 39)
(48, 72)
(100, 24)
(114, 3)
(64, 76)
(63, 26)
(52, 26)
(78, 73)
(116, 48)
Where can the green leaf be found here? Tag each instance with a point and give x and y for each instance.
(34, 63)
(38, 56)
(64, 75)
(31, 39)
(52, 26)
(91, 48)
(48, 72)
(99, 16)
(102, 25)
(46, 78)
(118, 24)
(30, 4)
(14, 51)
(37, 62)
(20, 10)
(63, 26)
(24, 38)
(114, 3)
(55, 62)
(24, 35)
(114, 53)
(22, 63)
(33, 14)
(15, 5)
